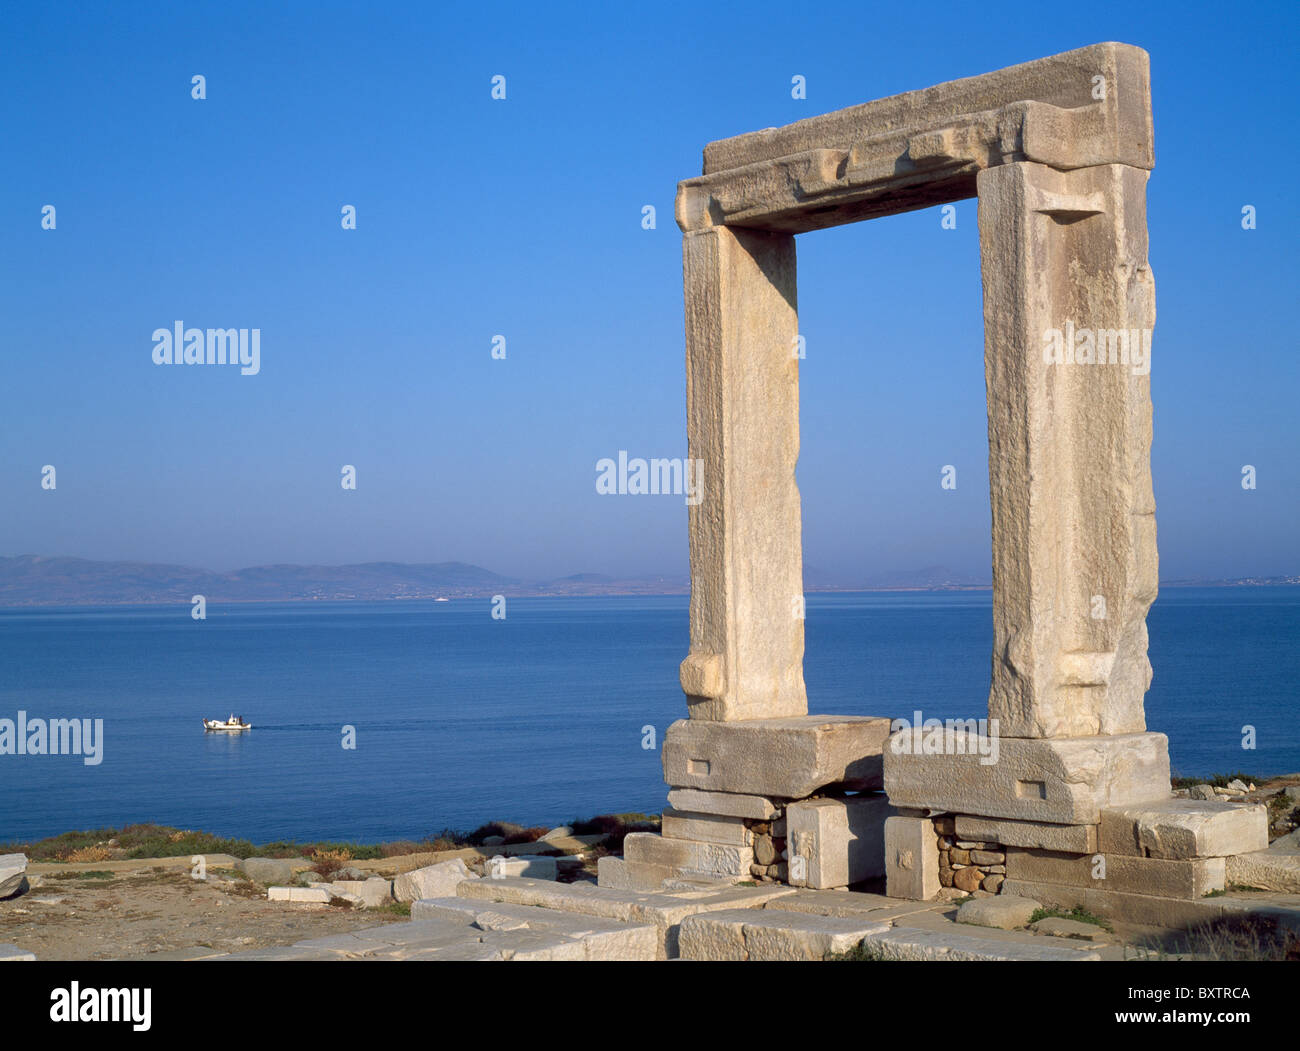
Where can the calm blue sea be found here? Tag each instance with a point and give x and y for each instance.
(538, 718)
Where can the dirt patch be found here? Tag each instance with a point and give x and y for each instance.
(143, 912)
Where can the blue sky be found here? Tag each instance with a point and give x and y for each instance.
(522, 217)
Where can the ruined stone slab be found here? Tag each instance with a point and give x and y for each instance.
(742, 425)
(1058, 927)
(11, 953)
(601, 939)
(665, 910)
(1065, 780)
(13, 871)
(850, 903)
(1265, 869)
(925, 147)
(371, 892)
(621, 874)
(1114, 904)
(911, 858)
(723, 804)
(1074, 545)
(1189, 878)
(1070, 839)
(534, 866)
(787, 757)
(836, 842)
(705, 828)
(905, 943)
(757, 934)
(1184, 828)
(431, 881)
(687, 856)
(299, 895)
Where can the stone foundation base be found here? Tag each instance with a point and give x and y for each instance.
(1172, 849)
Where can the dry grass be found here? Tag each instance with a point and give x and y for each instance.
(89, 854)
(328, 862)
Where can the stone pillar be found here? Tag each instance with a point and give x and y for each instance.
(742, 398)
(1074, 543)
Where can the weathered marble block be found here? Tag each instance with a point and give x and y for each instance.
(1184, 828)
(1067, 780)
(911, 858)
(705, 828)
(1191, 878)
(724, 804)
(789, 758)
(836, 842)
(1069, 839)
(688, 857)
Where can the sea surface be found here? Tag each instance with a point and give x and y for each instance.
(538, 718)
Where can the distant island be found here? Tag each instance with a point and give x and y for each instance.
(36, 580)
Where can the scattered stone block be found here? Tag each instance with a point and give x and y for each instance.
(561, 832)
(726, 804)
(836, 842)
(267, 870)
(300, 895)
(911, 858)
(788, 758)
(13, 873)
(371, 892)
(533, 866)
(1005, 911)
(11, 953)
(705, 828)
(1265, 869)
(431, 881)
(688, 856)
(1064, 780)
(1184, 828)
(1071, 839)
(1189, 878)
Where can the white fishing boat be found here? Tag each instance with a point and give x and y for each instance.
(232, 725)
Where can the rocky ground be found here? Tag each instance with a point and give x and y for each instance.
(154, 907)
(153, 910)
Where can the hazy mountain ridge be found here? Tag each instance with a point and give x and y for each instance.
(36, 580)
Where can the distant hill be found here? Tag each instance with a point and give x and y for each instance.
(35, 580)
(31, 580)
